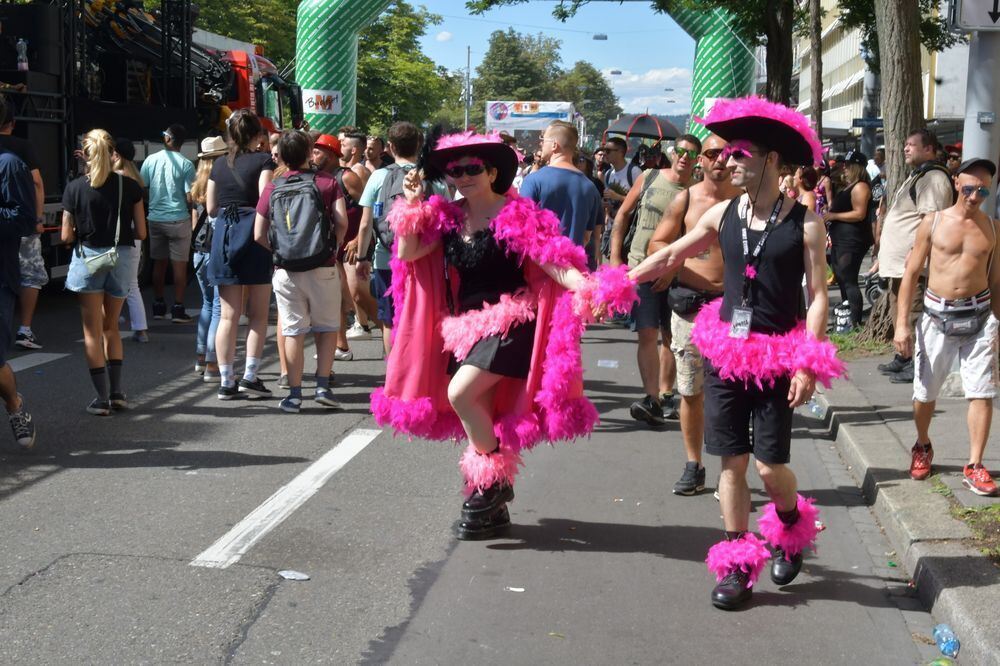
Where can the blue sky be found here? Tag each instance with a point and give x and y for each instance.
(649, 49)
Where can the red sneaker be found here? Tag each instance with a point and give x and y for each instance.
(920, 466)
(978, 480)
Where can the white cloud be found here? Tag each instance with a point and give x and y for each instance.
(443, 36)
(642, 91)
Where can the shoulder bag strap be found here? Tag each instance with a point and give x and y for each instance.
(118, 222)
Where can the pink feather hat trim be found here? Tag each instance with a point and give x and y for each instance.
(754, 106)
(748, 554)
(466, 139)
(483, 470)
(793, 539)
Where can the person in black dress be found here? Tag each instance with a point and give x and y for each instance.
(850, 230)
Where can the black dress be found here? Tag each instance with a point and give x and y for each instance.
(486, 272)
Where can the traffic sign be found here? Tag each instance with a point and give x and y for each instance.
(977, 14)
(877, 123)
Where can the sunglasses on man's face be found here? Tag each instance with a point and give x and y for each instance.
(689, 153)
(712, 154)
(737, 153)
(968, 190)
(467, 169)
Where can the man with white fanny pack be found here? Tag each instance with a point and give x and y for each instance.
(959, 318)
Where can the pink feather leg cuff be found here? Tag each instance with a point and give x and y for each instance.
(793, 539)
(482, 471)
(747, 553)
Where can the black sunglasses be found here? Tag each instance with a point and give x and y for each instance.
(467, 169)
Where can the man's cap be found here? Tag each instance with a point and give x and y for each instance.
(980, 162)
(329, 142)
(954, 148)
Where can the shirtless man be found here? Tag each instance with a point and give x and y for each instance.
(699, 281)
(959, 318)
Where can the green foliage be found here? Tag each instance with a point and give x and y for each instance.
(515, 66)
(934, 34)
(591, 95)
(395, 79)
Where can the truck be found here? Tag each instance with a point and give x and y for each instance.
(69, 66)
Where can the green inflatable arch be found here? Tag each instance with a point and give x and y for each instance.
(327, 58)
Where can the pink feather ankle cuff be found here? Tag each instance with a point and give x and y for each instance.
(481, 471)
(793, 539)
(748, 554)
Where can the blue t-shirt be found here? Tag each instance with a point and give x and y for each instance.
(169, 176)
(569, 194)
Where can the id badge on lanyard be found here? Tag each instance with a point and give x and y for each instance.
(739, 324)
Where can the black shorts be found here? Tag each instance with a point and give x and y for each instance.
(381, 280)
(729, 406)
(652, 310)
(509, 356)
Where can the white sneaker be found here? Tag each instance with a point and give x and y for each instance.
(358, 332)
(342, 355)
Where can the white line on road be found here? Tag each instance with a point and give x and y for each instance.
(230, 548)
(20, 363)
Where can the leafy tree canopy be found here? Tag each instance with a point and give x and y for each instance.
(934, 34)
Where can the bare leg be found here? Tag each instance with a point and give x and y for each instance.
(280, 338)
(386, 340)
(648, 358)
(780, 484)
(92, 314)
(980, 418)
(231, 297)
(325, 344)
(112, 308)
(923, 412)
(8, 389)
(734, 493)
(693, 425)
(668, 366)
(29, 301)
(361, 295)
(259, 300)
(294, 345)
(466, 392)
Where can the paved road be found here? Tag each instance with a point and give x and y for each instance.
(603, 565)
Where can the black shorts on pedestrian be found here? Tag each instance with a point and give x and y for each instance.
(7, 300)
(381, 280)
(652, 310)
(729, 406)
(508, 355)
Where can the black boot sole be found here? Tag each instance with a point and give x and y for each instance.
(689, 493)
(732, 604)
(505, 497)
(495, 526)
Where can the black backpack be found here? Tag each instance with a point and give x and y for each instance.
(925, 169)
(300, 231)
(392, 189)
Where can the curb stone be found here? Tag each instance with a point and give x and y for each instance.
(957, 584)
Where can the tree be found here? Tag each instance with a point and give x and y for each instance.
(755, 21)
(515, 66)
(590, 93)
(816, 46)
(395, 79)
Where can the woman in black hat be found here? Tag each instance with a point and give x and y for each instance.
(851, 237)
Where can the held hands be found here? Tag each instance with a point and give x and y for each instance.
(903, 340)
(413, 186)
(802, 386)
(351, 251)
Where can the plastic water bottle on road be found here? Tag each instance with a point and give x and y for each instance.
(815, 409)
(946, 641)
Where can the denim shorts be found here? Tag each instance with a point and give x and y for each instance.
(114, 282)
(381, 280)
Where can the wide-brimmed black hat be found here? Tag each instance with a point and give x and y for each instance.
(488, 147)
(772, 126)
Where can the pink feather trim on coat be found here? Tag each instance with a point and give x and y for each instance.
(748, 553)
(762, 358)
(430, 219)
(532, 231)
(415, 418)
(729, 109)
(462, 332)
(481, 471)
(795, 538)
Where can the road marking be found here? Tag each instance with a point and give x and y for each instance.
(20, 363)
(230, 548)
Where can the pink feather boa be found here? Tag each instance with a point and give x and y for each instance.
(481, 471)
(466, 139)
(747, 553)
(463, 331)
(795, 539)
(429, 218)
(729, 109)
(610, 287)
(761, 358)
(415, 418)
(533, 232)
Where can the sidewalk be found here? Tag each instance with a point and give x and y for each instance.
(872, 421)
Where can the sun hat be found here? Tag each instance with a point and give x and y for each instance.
(213, 146)
(775, 127)
(489, 147)
(329, 142)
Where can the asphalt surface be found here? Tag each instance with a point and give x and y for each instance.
(602, 566)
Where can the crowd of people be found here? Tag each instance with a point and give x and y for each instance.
(480, 270)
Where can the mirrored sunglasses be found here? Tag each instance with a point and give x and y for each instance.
(968, 190)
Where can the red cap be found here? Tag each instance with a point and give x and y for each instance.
(329, 142)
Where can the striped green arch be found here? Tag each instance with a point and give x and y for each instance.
(327, 58)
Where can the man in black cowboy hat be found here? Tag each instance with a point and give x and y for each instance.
(750, 339)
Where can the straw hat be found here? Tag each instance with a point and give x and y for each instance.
(213, 146)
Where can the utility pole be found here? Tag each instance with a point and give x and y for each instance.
(468, 83)
(981, 134)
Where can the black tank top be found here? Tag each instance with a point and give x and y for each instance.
(485, 269)
(849, 233)
(776, 292)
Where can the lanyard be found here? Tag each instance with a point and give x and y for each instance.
(751, 258)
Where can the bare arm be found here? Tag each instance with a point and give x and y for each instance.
(36, 176)
(139, 221)
(265, 177)
(915, 261)
(68, 232)
(570, 278)
(860, 197)
(803, 382)
(618, 230)
(353, 184)
(340, 220)
(261, 225)
(211, 199)
(995, 271)
(696, 240)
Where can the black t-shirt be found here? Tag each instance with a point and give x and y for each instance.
(22, 148)
(95, 211)
(228, 190)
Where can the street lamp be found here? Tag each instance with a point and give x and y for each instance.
(615, 72)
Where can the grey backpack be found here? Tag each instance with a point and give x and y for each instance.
(300, 228)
